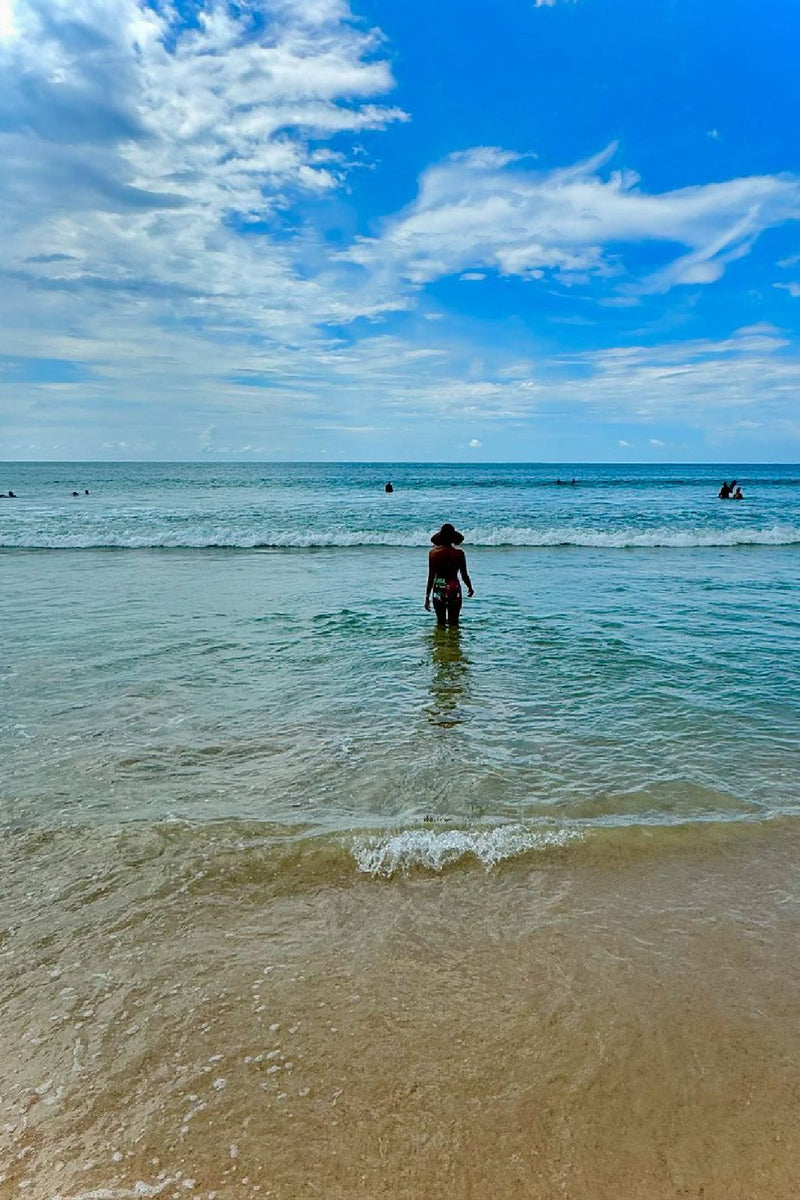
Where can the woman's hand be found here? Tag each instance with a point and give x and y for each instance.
(471, 592)
(428, 603)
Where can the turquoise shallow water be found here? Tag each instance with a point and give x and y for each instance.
(206, 642)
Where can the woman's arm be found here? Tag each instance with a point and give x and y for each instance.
(429, 584)
(465, 575)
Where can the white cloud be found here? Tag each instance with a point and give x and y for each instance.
(622, 442)
(150, 167)
(485, 210)
(475, 444)
(655, 442)
(8, 25)
(792, 288)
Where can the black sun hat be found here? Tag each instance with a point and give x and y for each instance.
(447, 536)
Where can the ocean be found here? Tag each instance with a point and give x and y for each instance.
(303, 896)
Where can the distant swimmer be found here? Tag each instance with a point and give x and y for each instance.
(737, 495)
(445, 563)
(86, 491)
(725, 491)
(387, 488)
(12, 495)
(76, 493)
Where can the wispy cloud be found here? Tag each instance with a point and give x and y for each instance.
(700, 381)
(486, 209)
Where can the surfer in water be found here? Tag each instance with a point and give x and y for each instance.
(445, 564)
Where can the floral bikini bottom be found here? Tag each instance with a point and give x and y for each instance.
(446, 591)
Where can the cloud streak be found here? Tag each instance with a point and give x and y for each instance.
(486, 209)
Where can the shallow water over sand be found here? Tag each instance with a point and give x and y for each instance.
(578, 1026)
(312, 688)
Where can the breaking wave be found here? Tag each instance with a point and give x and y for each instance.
(435, 850)
(497, 536)
(256, 860)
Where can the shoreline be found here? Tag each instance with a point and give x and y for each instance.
(604, 1032)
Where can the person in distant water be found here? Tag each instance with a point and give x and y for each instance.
(725, 492)
(76, 493)
(445, 564)
(389, 487)
(737, 495)
(12, 495)
(86, 491)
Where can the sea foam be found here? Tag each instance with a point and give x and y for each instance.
(139, 1191)
(433, 850)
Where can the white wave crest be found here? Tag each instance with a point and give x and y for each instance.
(204, 539)
(630, 538)
(519, 536)
(139, 1191)
(434, 850)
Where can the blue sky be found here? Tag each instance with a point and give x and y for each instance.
(559, 231)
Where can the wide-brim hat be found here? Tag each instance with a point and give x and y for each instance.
(447, 536)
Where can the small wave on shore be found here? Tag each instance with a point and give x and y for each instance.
(253, 860)
(432, 849)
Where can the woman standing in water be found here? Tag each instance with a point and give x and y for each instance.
(445, 563)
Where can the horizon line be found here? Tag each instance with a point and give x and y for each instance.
(385, 462)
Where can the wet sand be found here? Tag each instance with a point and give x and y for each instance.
(175, 1023)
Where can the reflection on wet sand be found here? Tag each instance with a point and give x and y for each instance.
(450, 677)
